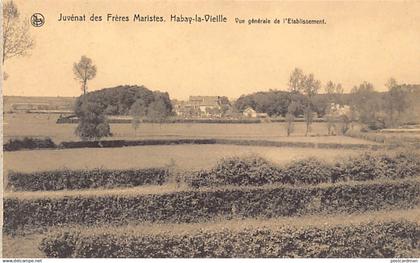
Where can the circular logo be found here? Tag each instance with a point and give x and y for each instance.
(37, 20)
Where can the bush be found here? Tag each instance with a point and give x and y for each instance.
(307, 171)
(197, 205)
(81, 179)
(256, 171)
(123, 143)
(251, 170)
(371, 240)
(92, 122)
(28, 143)
(371, 167)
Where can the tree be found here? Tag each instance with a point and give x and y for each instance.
(296, 80)
(368, 105)
(334, 93)
(157, 111)
(310, 89)
(16, 38)
(397, 100)
(290, 117)
(308, 86)
(83, 71)
(92, 121)
(137, 110)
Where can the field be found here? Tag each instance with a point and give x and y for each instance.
(213, 201)
(183, 156)
(43, 125)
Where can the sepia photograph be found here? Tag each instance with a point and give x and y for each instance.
(210, 129)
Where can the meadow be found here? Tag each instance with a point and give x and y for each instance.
(207, 200)
(19, 125)
(183, 156)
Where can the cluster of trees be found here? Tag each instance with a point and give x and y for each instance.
(300, 99)
(276, 102)
(374, 109)
(93, 107)
(367, 106)
(383, 109)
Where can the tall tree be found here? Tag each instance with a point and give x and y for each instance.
(334, 93)
(137, 111)
(310, 89)
(368, 105)
(308, 86)
(83, 71)
(17, 40)
(397, 100)
(296, 80)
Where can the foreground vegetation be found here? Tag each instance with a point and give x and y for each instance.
(198, 206)
(90, 221)
(374, 239)
(237, 171)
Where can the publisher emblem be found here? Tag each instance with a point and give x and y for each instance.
(37, 20)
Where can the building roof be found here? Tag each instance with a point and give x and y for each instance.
(204, 100)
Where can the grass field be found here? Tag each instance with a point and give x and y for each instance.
(183, 156)
(155, 209)
(43, 125)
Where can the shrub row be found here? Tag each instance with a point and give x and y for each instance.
(121, 121)
(237, 171)
(381, 138)
(124, 143)
(28, 143)
(32, 143)
(253, 170)
(80, 179)
(372, 240)
(197, 206)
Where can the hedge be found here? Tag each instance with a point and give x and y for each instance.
(32, 143)
(197, 206)
(123, 143)
(394, 141)
(80, 179)
(237, 171)
(209, 121)
(28, 143)
(253, 170)
(370, 240)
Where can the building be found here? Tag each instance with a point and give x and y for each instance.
(250, 113)
(199, 107)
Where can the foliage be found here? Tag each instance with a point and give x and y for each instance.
(17, 40)
(250, 170)
(83, 71)
(82, 179)
(28, 143)
(273, 102)
(257, 171)
(92, 121)
(371, 240)
(119, 100)
(188, 206)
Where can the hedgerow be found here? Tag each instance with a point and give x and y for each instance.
(253, 170)
(371, 240)
(81, 179)
(28, 143)
(198, 205)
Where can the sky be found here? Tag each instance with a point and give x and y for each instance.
(361, 41)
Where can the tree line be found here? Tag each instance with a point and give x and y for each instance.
(376, 110)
